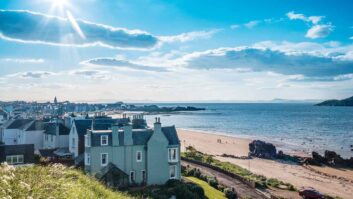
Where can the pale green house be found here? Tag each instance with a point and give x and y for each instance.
(125, 156)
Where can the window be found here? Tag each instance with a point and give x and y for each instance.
(87, 159)
(87, 141)
(104, 159)
(172, 172)
(14, 159)
(73, 142)
(51, 138)
(138, 156)
(143, 175)
(46, 137)
(132, 176)
(173, 155)
(104, 140)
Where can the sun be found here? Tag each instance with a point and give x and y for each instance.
(60, 3)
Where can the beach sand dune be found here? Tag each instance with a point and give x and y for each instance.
(295, 174)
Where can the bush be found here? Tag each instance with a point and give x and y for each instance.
(220, 187)
(172, 183)
(230, 193)
(213, 182)
(198, 190)
(182, 191)
(197, 173)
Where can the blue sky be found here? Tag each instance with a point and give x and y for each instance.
(175, 50)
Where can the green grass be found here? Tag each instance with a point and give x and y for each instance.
(210, 192)
(259, 180)
(55, 181)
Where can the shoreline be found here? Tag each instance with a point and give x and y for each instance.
(324, 181)
(287, 148)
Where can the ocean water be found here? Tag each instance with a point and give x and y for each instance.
(296, 126)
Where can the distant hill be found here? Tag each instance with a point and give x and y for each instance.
(335, 102)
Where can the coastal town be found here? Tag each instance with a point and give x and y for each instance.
(123, 152)
(177, 99)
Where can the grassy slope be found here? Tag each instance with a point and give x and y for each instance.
(54, 181)
(210, 192)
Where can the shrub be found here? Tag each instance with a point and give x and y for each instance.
(182, 191)
(197, 173)
(172, 183)
(198, 190)
(230, 193)
(213, 182)
(220, 187)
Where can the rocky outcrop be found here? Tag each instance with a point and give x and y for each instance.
(330, 158)
(261, 149)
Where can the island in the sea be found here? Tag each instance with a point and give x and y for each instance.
(335, 102)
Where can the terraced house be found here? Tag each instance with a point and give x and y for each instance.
(125, 156)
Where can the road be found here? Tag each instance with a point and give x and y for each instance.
(243, 190)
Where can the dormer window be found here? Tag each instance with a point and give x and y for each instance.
(104, 140)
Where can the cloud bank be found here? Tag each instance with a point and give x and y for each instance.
(312, 66)
(32, 27)
(118, 62)
(189, 36)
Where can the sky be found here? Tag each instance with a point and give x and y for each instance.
(175, 51)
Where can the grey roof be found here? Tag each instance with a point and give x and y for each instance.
(141, 136)
(50, 128)
(36, 125)
(171, 134)
(111, 168)
(19, 123)
(82, 126)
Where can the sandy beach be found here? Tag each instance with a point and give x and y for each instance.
(335, 182)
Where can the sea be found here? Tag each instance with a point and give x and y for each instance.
(292, 127)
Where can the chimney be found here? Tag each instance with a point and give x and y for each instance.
(127, 134)
(115, 135)
(157, 125)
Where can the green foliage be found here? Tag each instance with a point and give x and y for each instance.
(259, 180)
(230, 194)
(212, 182)
(54, 181)
(171, 187)
(210, 192)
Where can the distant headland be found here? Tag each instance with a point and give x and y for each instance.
(335, 102)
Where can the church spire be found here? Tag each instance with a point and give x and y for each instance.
(55, 100)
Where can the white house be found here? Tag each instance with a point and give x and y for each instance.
(56, 135)
(23, 131)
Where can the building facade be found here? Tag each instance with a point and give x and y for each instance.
(125, 156)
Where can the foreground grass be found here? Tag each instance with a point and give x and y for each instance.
(210, 192)
(55, 181)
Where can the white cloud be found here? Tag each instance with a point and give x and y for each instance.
(189, 36)
(31, 74)
(234, 26)
(119, 62)
(316, 30)
(297, 16)
(252, 24)
(23, 61)
(319, 31)
(351, 37)
(32, 27)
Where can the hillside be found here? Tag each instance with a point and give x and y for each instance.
(54, 181)
(335, 102)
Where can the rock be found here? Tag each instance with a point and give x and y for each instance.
(262, 149)
(333, 158)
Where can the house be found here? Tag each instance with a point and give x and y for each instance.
(3, 116)
(56, 135)
(23, 131)
(80, 127)
(17, 154)
(125, 156)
